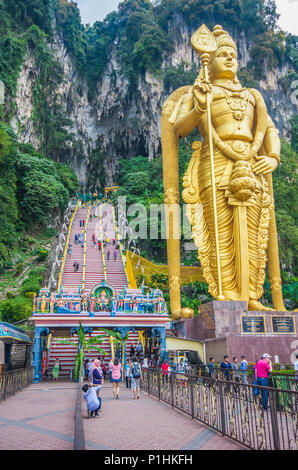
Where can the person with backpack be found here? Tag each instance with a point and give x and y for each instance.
(135, 375)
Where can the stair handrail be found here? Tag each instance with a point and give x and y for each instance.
(85, 248)
(120, 244)
(102, 248)
(66, 245)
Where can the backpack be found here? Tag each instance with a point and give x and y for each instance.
(136, 371)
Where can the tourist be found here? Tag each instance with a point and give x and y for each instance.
(110, 368)
(127, 373)
(86, 368)
(56, 369)
(76, 239)
(296, 367)
(235, 369)
(93, 401)
(83, 222)
(108, 255)
(80, 223)
(153, 362)
(211, 368)
(96, 374)
(165, 370)
(69, 249)
(243, 369)
(145, 364)
(116, 377)
(115, 255)
(181, 366)
(263, 367)
(132, 351)
(226, 367)
(139, 349)
(135, 374)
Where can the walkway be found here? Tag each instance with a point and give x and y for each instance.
(147, 424)
(42, 417)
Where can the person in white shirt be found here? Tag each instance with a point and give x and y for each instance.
(243, 369)
(145, 363)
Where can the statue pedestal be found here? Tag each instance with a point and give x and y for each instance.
(227, 327)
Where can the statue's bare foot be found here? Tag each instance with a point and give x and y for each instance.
(255, 305)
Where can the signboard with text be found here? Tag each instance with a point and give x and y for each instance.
(253, 325)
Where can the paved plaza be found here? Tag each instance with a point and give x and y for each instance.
(42, 417)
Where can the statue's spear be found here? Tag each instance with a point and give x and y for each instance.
(204, 43)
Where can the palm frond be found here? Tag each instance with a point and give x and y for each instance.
(65, 341)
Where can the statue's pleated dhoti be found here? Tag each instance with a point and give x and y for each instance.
(240, 225)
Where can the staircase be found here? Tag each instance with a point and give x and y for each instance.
(94, 272)
(94, 269)
(116, 276)
(69, 277)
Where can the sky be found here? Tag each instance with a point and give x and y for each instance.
(97, 10)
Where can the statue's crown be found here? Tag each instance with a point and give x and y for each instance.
(223, 38)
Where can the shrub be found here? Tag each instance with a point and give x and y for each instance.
(42, 255)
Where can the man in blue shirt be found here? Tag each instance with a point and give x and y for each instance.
(226, 368)
(211, 368)
(93, 402)
(243, 368)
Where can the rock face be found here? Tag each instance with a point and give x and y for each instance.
(119, 122)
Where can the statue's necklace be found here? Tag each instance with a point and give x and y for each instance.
(237, 103)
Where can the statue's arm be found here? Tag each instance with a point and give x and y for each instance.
(272, 141)
(188, 116)
(268, 162)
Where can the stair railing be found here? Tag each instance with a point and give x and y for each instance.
(102, 248)
(85, 249)
(120, 244)
(66, 245)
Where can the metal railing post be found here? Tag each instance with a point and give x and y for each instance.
(158, 385)
(222, 407)
(192, 399)
(5, 385)
(172, 390)
(274, 420)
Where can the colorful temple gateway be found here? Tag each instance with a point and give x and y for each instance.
(96, 289)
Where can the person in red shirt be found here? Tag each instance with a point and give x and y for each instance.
(263, 367)
(165, 369)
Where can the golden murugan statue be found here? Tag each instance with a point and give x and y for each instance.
(228, 185)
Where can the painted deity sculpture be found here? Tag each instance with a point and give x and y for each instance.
(228, 184)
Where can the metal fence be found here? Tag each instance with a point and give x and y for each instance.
(14, 381)
(232, 408)
(278, 379)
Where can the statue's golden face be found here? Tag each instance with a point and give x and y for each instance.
(224, 63)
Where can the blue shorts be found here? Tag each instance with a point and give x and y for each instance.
(115, 380)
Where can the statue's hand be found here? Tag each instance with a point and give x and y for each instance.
(264, 165)
(200, 90)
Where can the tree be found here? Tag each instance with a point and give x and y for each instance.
(85, 345)
(120, 339)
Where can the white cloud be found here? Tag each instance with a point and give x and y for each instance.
(288, 9)
(96, 10)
